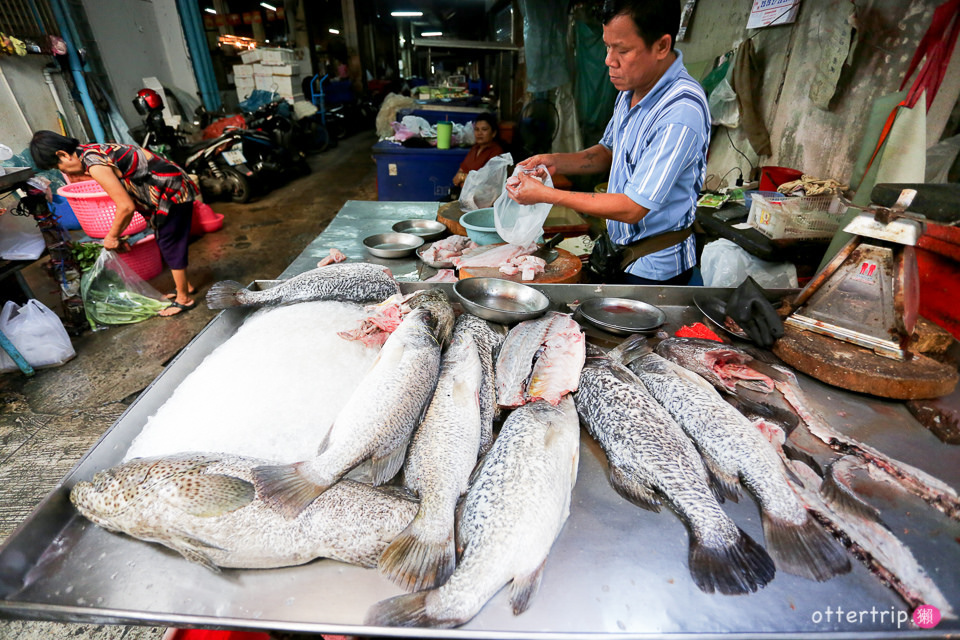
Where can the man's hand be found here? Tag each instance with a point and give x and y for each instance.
(546, 159)
(754, 313)
(527, 188)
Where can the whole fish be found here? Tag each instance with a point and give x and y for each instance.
(376, 422)
(441, 313)
(734, 452)
(205, 507)
(359, 282)
(867, 540)
(540, 358)
(442, 454)
(488, 342)
(514, 510)
(729, 368)
(651, 459)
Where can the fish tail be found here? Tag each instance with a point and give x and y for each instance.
(804, 550)
(740, 568)
(285, 488)
(630, 349)
(223, 295)
(414, 561)
(408, 610)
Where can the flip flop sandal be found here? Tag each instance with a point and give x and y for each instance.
(173, 294)
(183, 308)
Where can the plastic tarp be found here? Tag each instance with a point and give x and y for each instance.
(545, 44)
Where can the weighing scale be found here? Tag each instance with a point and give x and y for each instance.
(853, 325)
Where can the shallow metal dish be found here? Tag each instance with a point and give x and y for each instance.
(499, 300)
(715, 310)
(429, 263)
(429, 230)
(621, 316)
(392, 245)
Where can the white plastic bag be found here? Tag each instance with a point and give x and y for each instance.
(726, 264)
(521, 224)
(20, 238)
(483, 185)
(37, 333)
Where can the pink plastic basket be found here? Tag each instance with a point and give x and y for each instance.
(95, 209)
(144, 258)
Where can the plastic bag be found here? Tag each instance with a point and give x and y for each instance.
(521, 224)
(37, 333)
(482, 186)
(724, 109)
(114, 294)
(20, 238)
(726, 264)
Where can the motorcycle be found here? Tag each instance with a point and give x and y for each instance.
(275, 119)
(219, 164)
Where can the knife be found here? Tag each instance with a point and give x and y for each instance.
(547, 251)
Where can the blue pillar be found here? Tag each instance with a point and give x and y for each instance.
(193, 31)
(76, 68)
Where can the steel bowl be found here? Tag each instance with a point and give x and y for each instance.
(392, 245)
(499, 300)
(621, 316)
(429, 230)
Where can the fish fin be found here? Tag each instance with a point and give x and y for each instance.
(726, 486)
(754, 409)
(192, 549)
(804, 550)
(740, 568)
(408, 610)
(841, 497)
(214, 495)
(385, 467)
(523, 588)
(752, 385)
(414, 561)
(486, 439)
(630, 349)
(799, 455)
(223, 295)
(633, 491)
(285, 488)
(624, 375)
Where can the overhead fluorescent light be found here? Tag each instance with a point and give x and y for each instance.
(431, 34)
(209, 10)
(406, 14)
(268, 6)
(334, 31)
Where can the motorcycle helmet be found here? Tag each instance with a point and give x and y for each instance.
(147, 100)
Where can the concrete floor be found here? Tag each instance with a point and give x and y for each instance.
(49, 421)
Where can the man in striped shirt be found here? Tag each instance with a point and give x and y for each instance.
(655, 147)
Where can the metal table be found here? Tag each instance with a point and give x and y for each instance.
(615, 571)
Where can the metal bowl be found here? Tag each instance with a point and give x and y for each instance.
(429, 230)
(621, 316)
(392, 245)
(436, 265)
(499, 300)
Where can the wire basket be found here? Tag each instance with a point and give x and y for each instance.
(144, 258)
(95, 209)
(790, 218)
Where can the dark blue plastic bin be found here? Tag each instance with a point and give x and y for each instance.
(64, 213)
(417, 175)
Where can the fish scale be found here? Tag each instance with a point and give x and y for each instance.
(650, 458)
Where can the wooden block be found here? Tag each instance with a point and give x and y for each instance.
(564, 270)
(449, 214)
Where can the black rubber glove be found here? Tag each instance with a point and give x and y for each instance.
(750, 309)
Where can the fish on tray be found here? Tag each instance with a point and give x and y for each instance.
(729, 369)
(375, 424)
(384, 318)
(651, 460)
(867, 540)
(442, 454)
(206, 507)
(735, 452)
(540, 358)
(359, 282)
(488, 341)
(492, 255)
(516, 506)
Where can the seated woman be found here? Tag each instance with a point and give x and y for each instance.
(485, 133)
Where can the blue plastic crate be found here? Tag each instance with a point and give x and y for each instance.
(417, 175)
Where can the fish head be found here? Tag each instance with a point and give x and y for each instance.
(441, 313)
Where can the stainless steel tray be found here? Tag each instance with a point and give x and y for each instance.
(615, 571)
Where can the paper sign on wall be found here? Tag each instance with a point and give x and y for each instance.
(770, 12)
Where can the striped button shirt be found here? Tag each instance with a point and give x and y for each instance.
(659, 161)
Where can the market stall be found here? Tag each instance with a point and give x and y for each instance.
(614, 571)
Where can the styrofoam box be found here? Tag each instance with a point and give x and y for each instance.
(250, 56)
(284, 85)
(243, 71)
(243, 82)
(285, 69)
(276, 56)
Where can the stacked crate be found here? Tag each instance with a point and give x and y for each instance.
(268, 69)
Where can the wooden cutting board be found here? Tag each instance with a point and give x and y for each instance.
(564, 270)
(449, 214)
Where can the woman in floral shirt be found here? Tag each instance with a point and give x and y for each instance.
(136, 180)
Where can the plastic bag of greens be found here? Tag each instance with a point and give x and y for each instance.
(114, 294)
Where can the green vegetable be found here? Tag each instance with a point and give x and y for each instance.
(108, 301)
(86, 254)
